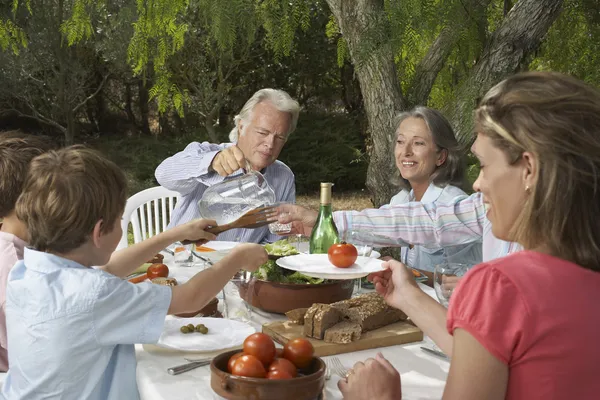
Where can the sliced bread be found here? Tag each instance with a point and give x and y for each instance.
(370, 311)
(296, 316)
(309, 318)
(325, 318)
(343, 332)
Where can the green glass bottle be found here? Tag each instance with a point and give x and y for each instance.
(324, 233)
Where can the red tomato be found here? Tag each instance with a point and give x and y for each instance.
(249, 366)
(260, 346)
(282, 364)
(278, 353)
(157, 271)
(342, 255)
(232, 360)
(278, 374)
(299, 351)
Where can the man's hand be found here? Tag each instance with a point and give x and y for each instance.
(229, 160)
(194, 231)
(376, 378)
(302, 219)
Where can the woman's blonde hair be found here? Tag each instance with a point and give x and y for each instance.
(556, 118)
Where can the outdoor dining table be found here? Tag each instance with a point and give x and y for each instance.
(423, 375)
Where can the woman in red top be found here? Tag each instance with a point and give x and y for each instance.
(524, 326)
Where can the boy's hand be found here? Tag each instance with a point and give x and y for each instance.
(250, 256)
(194, 231)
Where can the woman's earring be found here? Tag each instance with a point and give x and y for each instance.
(527, 189)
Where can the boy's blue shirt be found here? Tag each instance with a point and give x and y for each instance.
(72, 329)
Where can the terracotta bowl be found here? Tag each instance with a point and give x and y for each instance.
(283, 297)
(308, 386)
(208, 310)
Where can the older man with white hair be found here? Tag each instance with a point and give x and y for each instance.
(260, 132)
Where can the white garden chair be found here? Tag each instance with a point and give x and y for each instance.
(149, 213)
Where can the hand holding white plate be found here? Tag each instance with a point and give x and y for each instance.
(318, 266)
(222, 334)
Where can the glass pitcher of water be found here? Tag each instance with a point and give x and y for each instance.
(229, 200)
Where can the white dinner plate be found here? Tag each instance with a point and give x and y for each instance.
(318, 266)
(222, 334)
(221, 250)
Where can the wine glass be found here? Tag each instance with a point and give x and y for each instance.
(364, 245)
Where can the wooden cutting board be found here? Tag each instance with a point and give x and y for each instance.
(397, 333)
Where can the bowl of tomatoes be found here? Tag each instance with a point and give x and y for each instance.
(260, 371)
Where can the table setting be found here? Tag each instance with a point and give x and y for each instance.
(423, 372)
(308, 295)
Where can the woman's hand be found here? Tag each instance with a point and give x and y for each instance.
(194, 231)
(376, 378)
(302, 219)
(395, 283)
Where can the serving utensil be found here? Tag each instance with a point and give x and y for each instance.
(252, 219)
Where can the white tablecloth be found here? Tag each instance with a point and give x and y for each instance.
(423, 375)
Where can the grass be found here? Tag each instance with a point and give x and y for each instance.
(358, 200)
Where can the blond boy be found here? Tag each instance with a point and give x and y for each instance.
(16, 152)
(72, 328)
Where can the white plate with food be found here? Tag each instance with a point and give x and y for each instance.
(303, 247)
(220, 334)
(214, 251)
(319, 266)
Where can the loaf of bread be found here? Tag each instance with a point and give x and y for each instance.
(367, 312)
(296, 316)
(343, 332)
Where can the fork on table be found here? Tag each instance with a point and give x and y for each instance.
(335, 366)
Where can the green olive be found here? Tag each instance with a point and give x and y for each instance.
(203, 330)
(190, 327)
(185, 329)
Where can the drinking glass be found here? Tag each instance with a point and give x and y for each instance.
(364, 245)
(229, 200)
(234, 306)
(445, 279)
(279, 229)
(182, 255)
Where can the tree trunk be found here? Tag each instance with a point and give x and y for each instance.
(512, 42)
(209, 124)
(380, 88)
(143, 100)
(129, 108)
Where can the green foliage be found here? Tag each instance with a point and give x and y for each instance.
(281, 19)
(573, 42)
(11, 36)
(157, 35)
(79, 25)
(326, 148)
